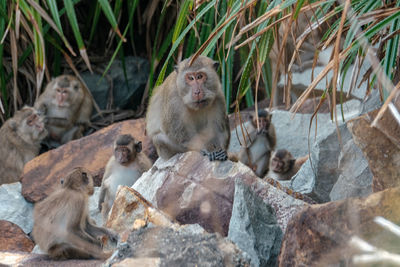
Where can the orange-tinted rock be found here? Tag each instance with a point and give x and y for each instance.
(319, 234)
(13, 238)
(38, 260)
(388, 124)
(382, 154)
(43, 173)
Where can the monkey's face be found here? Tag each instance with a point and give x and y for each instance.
(29, 125)
(277, 165)
(67, 90)
(123, 154)
(264, 123)
(198, 84)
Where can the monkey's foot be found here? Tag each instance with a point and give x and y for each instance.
(220, 155)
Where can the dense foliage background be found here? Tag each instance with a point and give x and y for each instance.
(42, 38)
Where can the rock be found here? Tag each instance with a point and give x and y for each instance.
(131, 211)
(127, 90)
(253, 227)
(382, 154)
(37, 260)
(179, 248)
(13, 238)
(191, 189)
(319, 234)
(387, 124)
(355, 179)
(14, 208)
(41, 175)
(298, 125)
(320, 172)
(94, 212)
(143, 262)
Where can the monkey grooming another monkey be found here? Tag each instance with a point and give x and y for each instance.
(188, 112)
(20, 138)
(62, 227)
(262, 141)
(67, 106)
(124, 168)
(283, 165)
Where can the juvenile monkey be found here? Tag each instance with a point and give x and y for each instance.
(188, 112)
(62, 227)
(67, 106)
(262, 141)
(20, 139)
(283, 165)
(123, 168)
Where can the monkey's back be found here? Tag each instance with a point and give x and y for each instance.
(55, 216)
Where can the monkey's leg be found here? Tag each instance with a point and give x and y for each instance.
(65, 251)
(73, 133)
(165, 147)
(58, 122)
(81, 245)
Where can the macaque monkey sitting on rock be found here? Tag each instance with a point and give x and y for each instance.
(62, 227)
(67, 106)
(124, 168)
(261, 141)
(20, 138)
(283, 165)
(188, 112)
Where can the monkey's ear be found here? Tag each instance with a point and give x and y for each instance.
(216, 65)
(85, 178)
(13, 125)
(138, 146)
(176, 68)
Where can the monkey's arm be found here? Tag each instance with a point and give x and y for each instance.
(166, 148)
(59, 122)
(98, 232)
(107, 173)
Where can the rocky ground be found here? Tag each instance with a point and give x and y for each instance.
(188, 211)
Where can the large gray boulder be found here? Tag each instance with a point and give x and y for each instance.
(320, 172)
(14, 208)
(355, 179)
(253, 227)
(191, 189)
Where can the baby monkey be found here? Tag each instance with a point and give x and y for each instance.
(62, 227)
(124, 168)
(262, 140)
(283, 165)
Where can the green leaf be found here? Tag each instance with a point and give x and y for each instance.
(181, 20)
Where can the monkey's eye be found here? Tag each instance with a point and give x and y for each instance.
(59, 90)
(85, 178)
(76, 87)
(62, 181)
(190, 77)
(31, 119)
(199, 76)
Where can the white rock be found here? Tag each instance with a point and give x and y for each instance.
(14, 207)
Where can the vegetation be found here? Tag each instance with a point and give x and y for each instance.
(39, 38)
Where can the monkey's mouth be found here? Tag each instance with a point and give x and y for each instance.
(201, 103)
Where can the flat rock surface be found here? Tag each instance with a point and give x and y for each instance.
(13, 238)
(42, 174)
(319, 234)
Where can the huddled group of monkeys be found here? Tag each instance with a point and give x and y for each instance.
(186, 113)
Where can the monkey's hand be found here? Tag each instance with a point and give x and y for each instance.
(220, 155)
